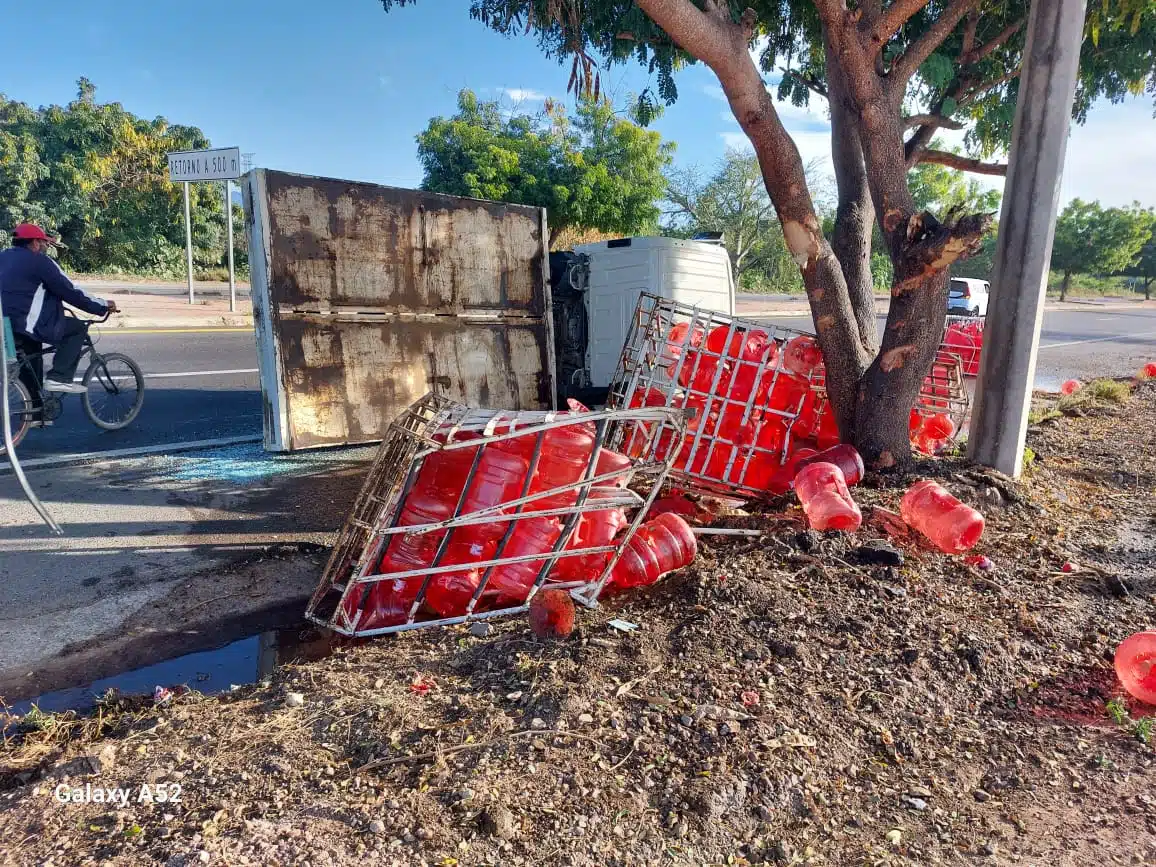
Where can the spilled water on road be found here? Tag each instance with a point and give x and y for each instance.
(244, 661)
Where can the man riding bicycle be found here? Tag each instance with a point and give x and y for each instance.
(35, 292)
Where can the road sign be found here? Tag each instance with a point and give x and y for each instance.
(221, 164)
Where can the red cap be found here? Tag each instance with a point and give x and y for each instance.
(31, 232)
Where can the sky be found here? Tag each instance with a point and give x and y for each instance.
(342, 90)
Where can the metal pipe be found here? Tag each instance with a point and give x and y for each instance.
(10, 447)
(229, 224)
(189, 243)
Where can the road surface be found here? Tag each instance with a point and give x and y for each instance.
(203, 384)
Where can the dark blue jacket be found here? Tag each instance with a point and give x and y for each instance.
(35, 292)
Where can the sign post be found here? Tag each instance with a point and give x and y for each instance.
(188, 243)
(229, 229)
(221, 164)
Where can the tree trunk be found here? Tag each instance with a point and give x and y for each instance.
(1065, 285)
(1148, 288)
(854, 218)
(555, 231)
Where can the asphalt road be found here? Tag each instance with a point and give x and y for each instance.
(199, 385)
(203, 384)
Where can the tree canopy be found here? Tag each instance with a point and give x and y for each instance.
(98, 175)
(1091, 239)
(592, 170)
(893, 75)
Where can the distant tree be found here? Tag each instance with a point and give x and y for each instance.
(1095, 240)
(733, 200)
(593, 170)
(941, 189)
(1144, 268)
(98, 175)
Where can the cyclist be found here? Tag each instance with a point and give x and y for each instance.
(35, 292)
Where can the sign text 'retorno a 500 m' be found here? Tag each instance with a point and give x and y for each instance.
(211, 165)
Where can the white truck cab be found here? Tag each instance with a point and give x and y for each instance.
(608, 277)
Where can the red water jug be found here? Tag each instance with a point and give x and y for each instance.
(658, 547)
(1148, 371)
(783, 479)
(846, 457)
(563, 460)
(389, 603)
(449, 593)
(500, 477)
(953, 527)
(594, 530)
(766, 457)
(826, 501)
(1071, 386)
(1136, 666)
(826, 429)
(416, 551)
(802, 355)
(680, 339)
(511, 582)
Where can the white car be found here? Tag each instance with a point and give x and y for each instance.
(968, 296)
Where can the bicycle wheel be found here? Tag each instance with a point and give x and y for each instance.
(20, 412)
(114, 391)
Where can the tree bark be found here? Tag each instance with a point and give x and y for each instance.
(1148, 288)
(712, 37)
(921, 248)
(1065, 285)
(855, 216)
(964, 164)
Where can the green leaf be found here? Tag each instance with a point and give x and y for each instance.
(949, 107)
(938, 71)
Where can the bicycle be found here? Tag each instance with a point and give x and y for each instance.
(112, 400)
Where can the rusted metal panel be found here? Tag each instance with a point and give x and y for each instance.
(358, 372)
(367, 297)
(337, 244)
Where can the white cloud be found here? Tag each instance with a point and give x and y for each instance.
(523, 94)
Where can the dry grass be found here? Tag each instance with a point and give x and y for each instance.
(1099, 391)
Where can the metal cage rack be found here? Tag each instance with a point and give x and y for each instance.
(678, 356)
(345, 596)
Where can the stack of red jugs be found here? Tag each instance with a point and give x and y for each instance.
(499, 477)
(965, 340)
(757, 406)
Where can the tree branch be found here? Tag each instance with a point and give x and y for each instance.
(979, 90)
(693, 30)
(807, 81)
(964, 164)
(923, 47)
(978, 54)
(896, 15)
(932, 120)
(969, 37)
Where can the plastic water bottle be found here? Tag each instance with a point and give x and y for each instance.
(826, 501)
(450, 593)
(594, 530)
(511, 582)
(953, 527)
(389, 602)
(802, 355)
(846, 457)
(658, 547)
(1136, 666)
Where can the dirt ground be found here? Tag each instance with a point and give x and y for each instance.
(795, 699)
